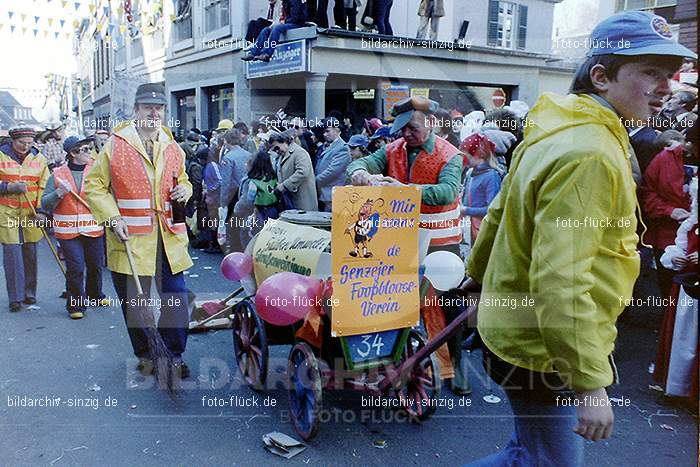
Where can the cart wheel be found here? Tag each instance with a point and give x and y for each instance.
(250, 345)
(304, 390)
(423, 383)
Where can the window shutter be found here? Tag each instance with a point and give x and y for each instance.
(492, 31)
(522, 25)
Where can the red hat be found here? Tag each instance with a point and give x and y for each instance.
(372, 125)
(478, 145)
(22, 132)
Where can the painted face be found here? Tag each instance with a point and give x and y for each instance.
(416, 132)
(22, 145)
(639, 89)
(365, 209)
(150, 115)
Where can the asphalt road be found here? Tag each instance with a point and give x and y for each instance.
(103, 412)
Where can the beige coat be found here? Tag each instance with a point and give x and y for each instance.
(438, 8)
(296, 174)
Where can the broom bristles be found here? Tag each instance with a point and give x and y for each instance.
(163, 364)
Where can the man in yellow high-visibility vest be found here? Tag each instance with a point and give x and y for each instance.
(23, 176)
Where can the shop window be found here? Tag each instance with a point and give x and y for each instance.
(186, 111)
(220, 103)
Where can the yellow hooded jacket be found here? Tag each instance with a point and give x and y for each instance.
(556, 253)
(104, 208)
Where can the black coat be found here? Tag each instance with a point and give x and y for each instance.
(295, 11)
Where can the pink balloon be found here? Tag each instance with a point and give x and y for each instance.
(286, 297)
(236, 266)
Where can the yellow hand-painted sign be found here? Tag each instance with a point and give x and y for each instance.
(375, 258)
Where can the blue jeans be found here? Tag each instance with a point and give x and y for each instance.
(382, 12)
(84, 258)
(174, 310)
(543, 434)
(19, 262)
(269, 38)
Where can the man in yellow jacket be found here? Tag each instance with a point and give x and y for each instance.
(23, 176)
(556, 254)
(132, 188)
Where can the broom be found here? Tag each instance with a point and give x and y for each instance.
(163, 364)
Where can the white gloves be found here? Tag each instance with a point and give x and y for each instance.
(63, 188)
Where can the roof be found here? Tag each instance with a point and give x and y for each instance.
(8, 100)
(7, 105)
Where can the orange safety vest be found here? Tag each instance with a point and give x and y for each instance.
(442, 221)
(29, 172)
(71, 218)
(133, 190)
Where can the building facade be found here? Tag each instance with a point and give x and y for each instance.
(195, 51)
(13, 114)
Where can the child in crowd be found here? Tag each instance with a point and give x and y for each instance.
(358, 146)
(261, 188)
(483, 181)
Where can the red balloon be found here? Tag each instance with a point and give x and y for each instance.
(236, 266)
(286, 297)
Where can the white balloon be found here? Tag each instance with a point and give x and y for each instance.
(444, 270)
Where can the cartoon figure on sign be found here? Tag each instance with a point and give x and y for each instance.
(364, 228)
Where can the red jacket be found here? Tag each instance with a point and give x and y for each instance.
(661, 192)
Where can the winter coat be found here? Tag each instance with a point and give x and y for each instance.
(295, 11)
(661, 192)
(296, 174)
(330, 169)
(539, 241)
(233, 169)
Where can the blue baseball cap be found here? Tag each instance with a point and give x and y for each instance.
(635, 33)
(357, 141)
(382, 132)
(72, 142)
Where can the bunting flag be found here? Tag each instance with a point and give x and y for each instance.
(36, 20)
(46, 33)
(24, 31)
(76, 23)
(12, 28)
(64, 3)
(91, 7)
(2, 25)
(36, 31)
(50, 20)
(62, 21)
(10, 13)
(55, 35)
(67, 35)
(77, 5)
(23, 17)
